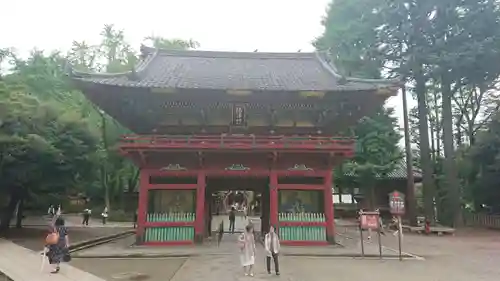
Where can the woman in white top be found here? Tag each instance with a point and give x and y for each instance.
(246, 243)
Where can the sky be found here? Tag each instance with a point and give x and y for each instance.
(218, 25)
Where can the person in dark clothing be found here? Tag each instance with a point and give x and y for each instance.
(135, 219)
(59, 251)
(232, 218)
(86, 216)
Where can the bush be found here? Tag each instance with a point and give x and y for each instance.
(120, 216)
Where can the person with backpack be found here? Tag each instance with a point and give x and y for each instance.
(58, 245)
(232, 219)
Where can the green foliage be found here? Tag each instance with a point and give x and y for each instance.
(350, 38)
(53, 141)
(378, 152)
(483, 161)
(43, 149)
(347, 39)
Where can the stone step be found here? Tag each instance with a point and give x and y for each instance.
(21, 264)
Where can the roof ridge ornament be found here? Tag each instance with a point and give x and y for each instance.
(173, 167)
(237, 167)
(299, 167)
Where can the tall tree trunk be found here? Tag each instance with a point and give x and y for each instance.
(410, 182)
(8, 212)
(20, 213)
(104, 172)
(425, 156)
(458, 126)
(437, 135)
(452, 184)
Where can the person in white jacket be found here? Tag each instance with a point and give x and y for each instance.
(272, 245)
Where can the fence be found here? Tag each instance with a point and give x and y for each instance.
(482, 220)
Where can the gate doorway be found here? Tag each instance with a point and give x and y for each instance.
(248, 195)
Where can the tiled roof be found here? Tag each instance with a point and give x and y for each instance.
(398, 173)
(233, 71)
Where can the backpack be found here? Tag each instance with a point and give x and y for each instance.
(52, 238)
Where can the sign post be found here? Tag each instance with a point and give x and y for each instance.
(397, 208)
(370, 221)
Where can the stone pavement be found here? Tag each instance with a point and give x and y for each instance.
(21, 264)
(122, 249)
(227, 268)
(239, 224)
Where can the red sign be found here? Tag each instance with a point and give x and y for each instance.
(369, 220)
(397, 203)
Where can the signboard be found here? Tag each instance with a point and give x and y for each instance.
(397, 203)
(369, 220)
(239, 115)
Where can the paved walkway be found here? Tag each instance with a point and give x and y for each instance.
(225, 268)
(71, 220)
(21, 264)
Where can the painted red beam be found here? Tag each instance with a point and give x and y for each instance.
(303, 243)
(300, 187)
(158, 172)
(298, 173)
(221, 148)
(229, 173)
(169, 223)
(238, 142)
(171, 186)
(169, 243)
(225, 138)
(302, 223)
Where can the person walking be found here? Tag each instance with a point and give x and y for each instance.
(272, 245)
(51, 211)
(104, 215)
(247, 246)
(135, 218)
(58, 245)
(232, 218)
(86, 216)
(245, 211)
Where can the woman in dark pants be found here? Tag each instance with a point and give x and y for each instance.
(58, 251)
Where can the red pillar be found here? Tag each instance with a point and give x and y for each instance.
(143, 204)
(330, 228)
(273, 198)
(200, 207)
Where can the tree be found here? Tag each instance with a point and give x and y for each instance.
(53, 141)
(378, 152)
(172, 44)
(42, 148)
